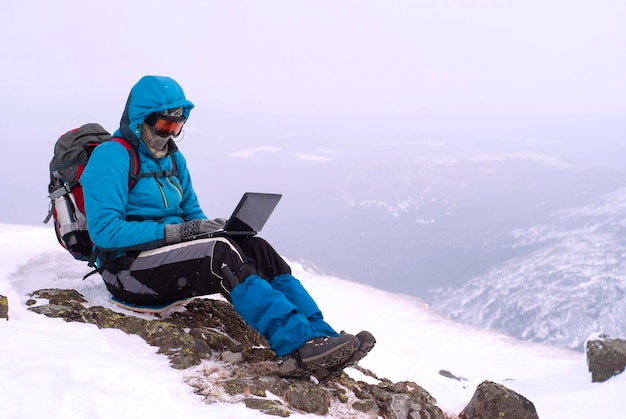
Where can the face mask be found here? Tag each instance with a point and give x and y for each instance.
(156, 144)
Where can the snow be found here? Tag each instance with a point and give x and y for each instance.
(54, 369)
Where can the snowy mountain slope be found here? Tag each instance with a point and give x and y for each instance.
(50, 368)
(569, 282)
(436, 223)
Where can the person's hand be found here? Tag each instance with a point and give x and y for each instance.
(176, 233)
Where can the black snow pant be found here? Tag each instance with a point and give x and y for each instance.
(190, 269)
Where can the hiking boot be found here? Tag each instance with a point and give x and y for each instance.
(318, 353)
(366, 343)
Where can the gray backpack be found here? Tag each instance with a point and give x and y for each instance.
(71, 154)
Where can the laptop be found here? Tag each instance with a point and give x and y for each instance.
(249, 216)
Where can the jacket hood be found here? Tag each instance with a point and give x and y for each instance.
(149, 95)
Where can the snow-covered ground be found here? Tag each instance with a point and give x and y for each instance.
(53, 369)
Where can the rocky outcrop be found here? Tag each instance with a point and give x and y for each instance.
(493, 400)
(606, 357)
(241, 368)
(186, 337)
(4, 307)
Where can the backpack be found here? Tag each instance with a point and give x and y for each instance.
(71, 154)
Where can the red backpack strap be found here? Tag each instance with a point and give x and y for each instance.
(133, 170)
(174, 165)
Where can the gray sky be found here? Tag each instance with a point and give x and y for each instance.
(558, 56)
(517, 70)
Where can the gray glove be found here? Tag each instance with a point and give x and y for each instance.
(222, 221)
(176, 233)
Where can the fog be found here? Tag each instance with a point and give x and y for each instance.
(312, 98)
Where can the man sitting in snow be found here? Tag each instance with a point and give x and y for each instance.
(148, 254)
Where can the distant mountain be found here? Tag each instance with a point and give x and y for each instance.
(413, 226)
(568, 281)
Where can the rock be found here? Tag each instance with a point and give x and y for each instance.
(4, 307)
(404, 399)
(492, 400)
(242, 367)
(605, 357)
(332, 397)
(448, 374)
(369, 407)
(269, 407)
(308, 398)
(185, 337)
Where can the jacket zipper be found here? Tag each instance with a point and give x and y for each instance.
(160, 185)
(162, 189)
(177, 187)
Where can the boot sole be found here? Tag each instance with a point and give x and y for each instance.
(290, 369)
(307, 366)
(364, 348)
(333, 356)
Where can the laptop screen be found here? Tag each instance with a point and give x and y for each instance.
(252, 212)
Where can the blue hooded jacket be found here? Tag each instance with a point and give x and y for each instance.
(120, 219)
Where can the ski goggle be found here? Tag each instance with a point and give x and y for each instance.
(166, 126)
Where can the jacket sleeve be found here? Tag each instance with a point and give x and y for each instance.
(190, 204)
(105, 189)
